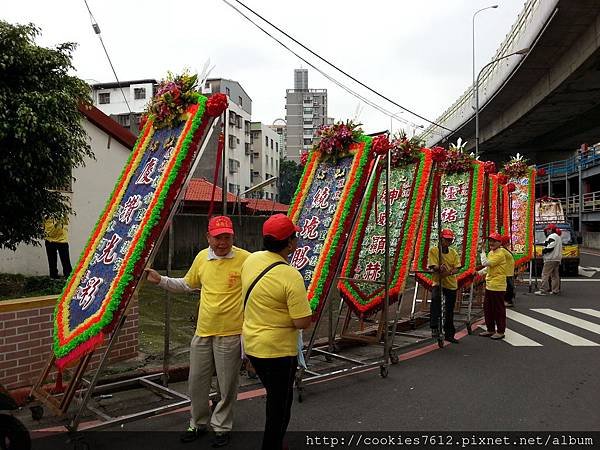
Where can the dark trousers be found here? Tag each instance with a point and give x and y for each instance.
(277, 376)
(63, 251)
(494, 311)
(436, 309)
(510, 290)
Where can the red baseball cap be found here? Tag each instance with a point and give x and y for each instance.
(496, 237)
(220, 225)
(279, 227)
(447, 233)
(550, 227)
(505, 239)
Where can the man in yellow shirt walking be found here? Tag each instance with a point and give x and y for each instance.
(494, 310)
(447, 270)
(216, 344)
(276, 308)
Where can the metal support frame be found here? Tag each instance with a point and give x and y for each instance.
(61, 407)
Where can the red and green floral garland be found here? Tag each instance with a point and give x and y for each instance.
(342, 218)
(363, 303)
(493, 208)
(468, 250)
(69, 345)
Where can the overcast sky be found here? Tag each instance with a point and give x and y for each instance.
(417, 52)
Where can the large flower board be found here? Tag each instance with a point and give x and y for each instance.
(325, 203)
(494, 211)
(461, 211)
(120, 244)
(519, 212)
(365, 256)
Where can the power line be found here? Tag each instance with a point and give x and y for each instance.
(334, 66)
(330, 78)
(96, 28)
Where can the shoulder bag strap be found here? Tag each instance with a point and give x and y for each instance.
(257, 279)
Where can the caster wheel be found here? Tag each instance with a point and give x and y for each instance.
(37, 412)
(394, 359)
(383, 371)
(440, 343)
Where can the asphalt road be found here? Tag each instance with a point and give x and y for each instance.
(545, 378)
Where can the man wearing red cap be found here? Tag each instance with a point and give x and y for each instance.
(494, 267)
(216, 343)
(552, 256)
(447, 270)
(276, 308)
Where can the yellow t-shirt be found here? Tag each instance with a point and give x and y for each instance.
(56, 231)
(495, 280)
(451, 260)
(510, 262)
(221, 310)
(275, 300)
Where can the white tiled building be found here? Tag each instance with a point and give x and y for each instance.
(266, 155)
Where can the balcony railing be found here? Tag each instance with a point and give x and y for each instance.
(571, 165)
(591, 203)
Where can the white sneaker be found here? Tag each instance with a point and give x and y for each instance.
(540, 293)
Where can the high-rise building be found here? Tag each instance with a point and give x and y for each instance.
(266, 152)
(238, 150)
(306, 111)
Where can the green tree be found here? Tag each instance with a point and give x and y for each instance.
(289, 176)
(41, 134)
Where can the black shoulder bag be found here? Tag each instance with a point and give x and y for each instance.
(257, 279)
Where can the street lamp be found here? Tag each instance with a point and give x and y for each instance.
(523, 51)
(473, 36)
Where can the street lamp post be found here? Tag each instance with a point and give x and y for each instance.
(523, 51)
(473, 36)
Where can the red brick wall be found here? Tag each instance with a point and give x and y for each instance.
(26, 340)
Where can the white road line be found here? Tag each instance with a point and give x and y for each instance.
(517, 340)
(589, 326)
(589, 312)
(569, 280)
(550, 330)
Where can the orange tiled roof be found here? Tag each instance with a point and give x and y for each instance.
(262, 205)
(200, 190)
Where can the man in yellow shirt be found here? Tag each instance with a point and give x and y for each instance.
(447, 270)
(509, 299)
(494, 310)
(216, 344)
(57, 241)
(276, 308)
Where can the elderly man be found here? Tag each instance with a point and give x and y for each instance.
(216, 344)
(446, 270)
(552, 256)
(276, 308)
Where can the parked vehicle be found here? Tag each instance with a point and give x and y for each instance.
(13, 434)
(549, 210)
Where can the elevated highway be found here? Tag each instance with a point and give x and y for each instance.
(544, 104)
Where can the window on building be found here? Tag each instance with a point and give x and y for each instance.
(308, 121)
(307, 110)
(139, 93)
(271, 144)
(266, 141)
(237, 140)
(104, 98)
(227, 91)
(240, 102)
(276, 146)
(307, 141)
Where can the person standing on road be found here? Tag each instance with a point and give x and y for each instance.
(276, 308)
(216, 343)
(494, 266)
(509, 299)
(447, 271)
(552, 256)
